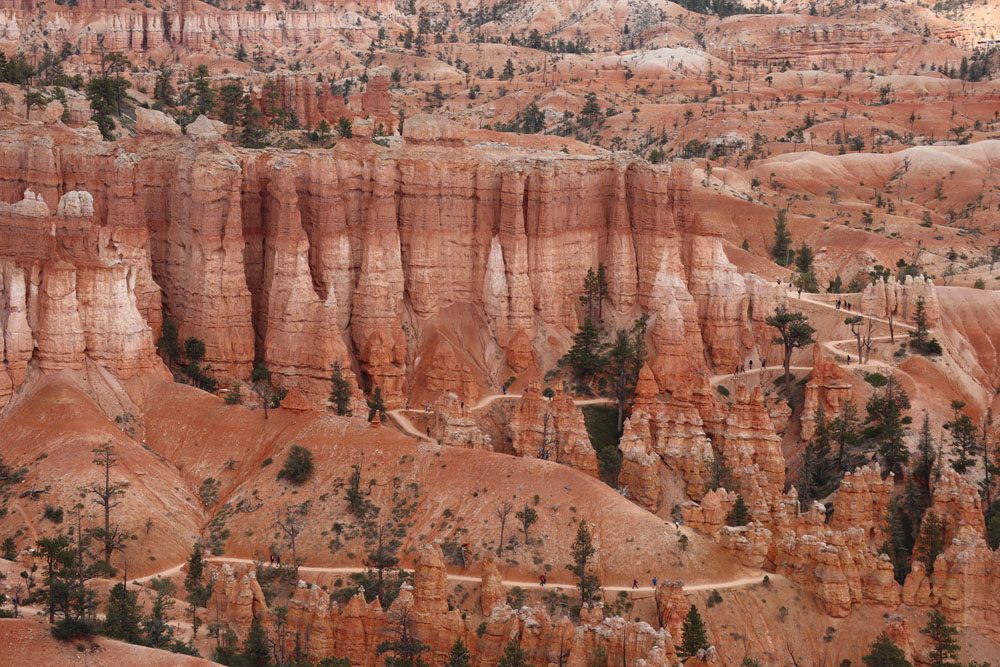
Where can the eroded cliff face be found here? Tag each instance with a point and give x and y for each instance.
(354, 630)
(70, 291)
(364, 255)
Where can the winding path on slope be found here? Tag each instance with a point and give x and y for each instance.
(399, 417)
(739, 582)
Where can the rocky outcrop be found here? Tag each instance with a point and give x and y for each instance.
(453, 425)
(323, 629)
(826, 391)
(899, 300)
(639, 473)
(551, 429)
(862, 501)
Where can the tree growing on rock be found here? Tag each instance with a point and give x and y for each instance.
(794, 332)
(624, 361)
(942, 635)
(694, 637)
(376, 405)
(887, 422)
(883, 652)
(740, 514)
(340, 391)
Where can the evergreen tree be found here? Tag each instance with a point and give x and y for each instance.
(256, 647)
(740, 514)
(887, 423)
(781, 248)
(816, 464)
(804, 259)
(624, 361)
(920, 338)
(923, 465)
(586, 357)
(508, 71)
(794, 332)
(204, 93)
(899, 542)
(194, 584)
(590, 298)
(163, 88)
(123, 619)
(156, 629)
(340, 391)
(964, 439)
(942, 635)
(883, 652)
(376, 405)
(459, 656)
(583, 550)
(694, 638)
(932, 542)
(513, 656)
(846, 434)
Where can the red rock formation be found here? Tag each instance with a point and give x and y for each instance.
(551, 429)
(828, 386)
(454, 426)
(884, 299)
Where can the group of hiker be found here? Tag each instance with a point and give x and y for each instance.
(845, 304)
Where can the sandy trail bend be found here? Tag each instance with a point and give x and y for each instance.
(740, 582)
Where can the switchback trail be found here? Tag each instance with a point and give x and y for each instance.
(739, 582)
(403, 422)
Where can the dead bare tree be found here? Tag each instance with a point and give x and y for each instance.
(107, 495)
(290, 528)
(502, 514)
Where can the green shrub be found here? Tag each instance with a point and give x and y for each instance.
(298, 466)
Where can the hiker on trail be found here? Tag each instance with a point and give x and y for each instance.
(848, 360)
(800, 292)
(838, 304)
(542, 580)
(751, 364)
(654, 582)
(635, 584)
(277, 559)
(504, 388)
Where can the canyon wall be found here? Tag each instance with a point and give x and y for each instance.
(361, 254)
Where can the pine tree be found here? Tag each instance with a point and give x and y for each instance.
(513, 656)
(816, 463)
(256, 648)
(923, 465)
(944, 651)
(887, 424)
(459, 656)
(964, 439)
(846, 434)
(804, 259)
(123, 619)
(586, 357)
(794, 332)
(932, 541)
(376, 405)
(158, 632)
(693, 635)
(740, 514)
(583, 550)
(920, 337)
(883, 652)
(340, 392)
(781, 248)
(589, 298)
